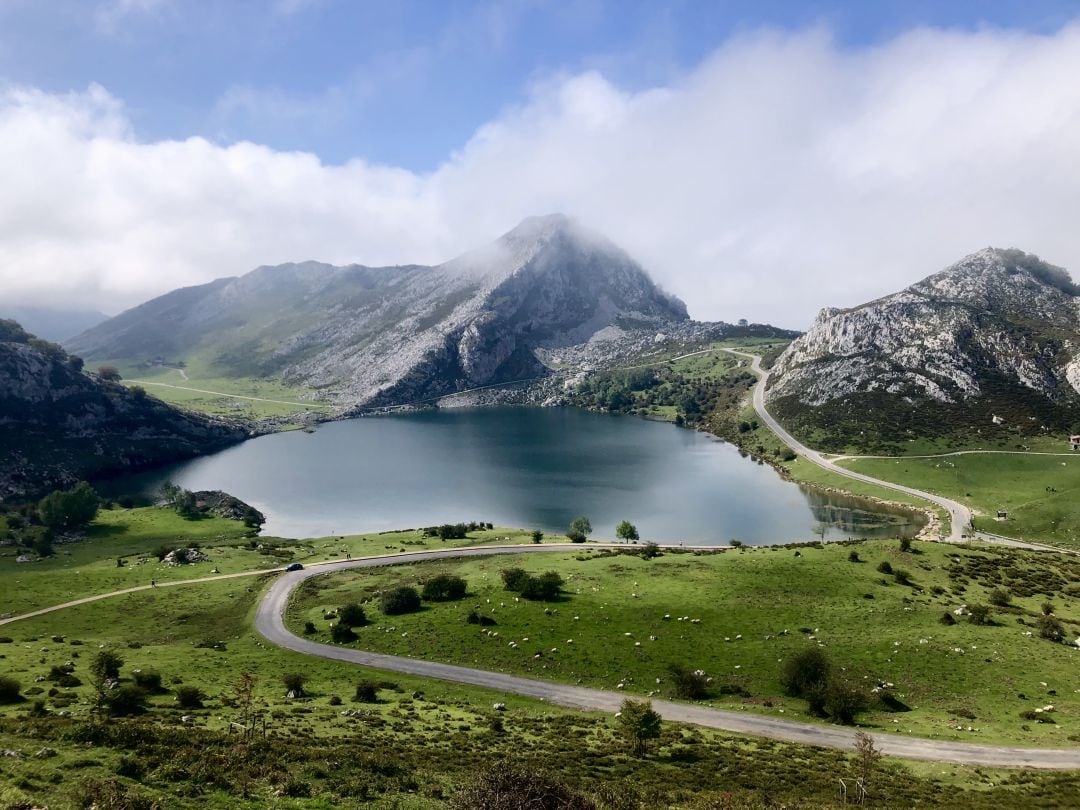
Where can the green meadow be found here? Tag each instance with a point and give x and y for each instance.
(737, 615)
(1041, 494)
(421, 740)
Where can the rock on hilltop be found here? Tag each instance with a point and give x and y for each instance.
(995, 335)
(394, 335)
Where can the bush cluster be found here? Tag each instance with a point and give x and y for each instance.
(545, 587)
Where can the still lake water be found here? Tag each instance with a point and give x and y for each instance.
(527, 467)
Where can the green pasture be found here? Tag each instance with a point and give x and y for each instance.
(1041, 494)
(422, 738)
(90, 566)
(737, 615)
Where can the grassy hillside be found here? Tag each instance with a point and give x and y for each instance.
(422, 740)
(749, 610)
(1040, 493)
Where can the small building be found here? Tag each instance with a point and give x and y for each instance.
(1074, 441)
(1002, 514)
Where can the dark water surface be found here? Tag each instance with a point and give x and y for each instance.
(527, 467)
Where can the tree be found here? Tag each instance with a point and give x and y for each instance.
(627, 531)
(253, 518)
(978, 614)
(580, 529)
(109, 373)
(70, 509)
(639, 724)
(294, 683)
(352, 615)
(444, 588)
(867, 757)
(843, 700)
(106, 665)
(403, 599)
(688, 684)
(537, 536)
(805, 672)
(189, 697)
(341, 633)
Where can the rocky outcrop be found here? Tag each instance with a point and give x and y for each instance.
(59, 424)
(397, 335)
(998, 331)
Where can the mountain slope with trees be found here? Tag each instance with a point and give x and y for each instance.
(59, 424)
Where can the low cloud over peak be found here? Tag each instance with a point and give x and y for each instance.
(781, 175)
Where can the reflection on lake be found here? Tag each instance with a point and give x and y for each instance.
(526, 467)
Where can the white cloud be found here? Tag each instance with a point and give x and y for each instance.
(781, 175)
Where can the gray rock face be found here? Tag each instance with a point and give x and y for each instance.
(396, 335)
(999, 317)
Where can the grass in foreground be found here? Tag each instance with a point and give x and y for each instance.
(753, 608)
(411, 749)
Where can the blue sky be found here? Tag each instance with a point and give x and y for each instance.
(760, 159)
(404, 83)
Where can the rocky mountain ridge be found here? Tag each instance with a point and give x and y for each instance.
(995, 336)
(59, 424)
(373, 336)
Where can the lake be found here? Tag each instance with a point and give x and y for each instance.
(523, 467)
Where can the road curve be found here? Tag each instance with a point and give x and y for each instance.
(959, 515)
(270, 623)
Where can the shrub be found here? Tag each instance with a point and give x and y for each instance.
(1047, 608)
(125, 700)
(905, 544)
(147, 679)
(978, 614)
(444, 588)
(688, 684)
(853, 556)
(842, 700)
(367, 692)
(1050, 628)
(544, 588)
(884, 567)
(341, 633)
(128, 766)
(512, 786)
(998, 597)
(804, 672)
(514, 579)
(480, 619)
(189, 697)
(901, 576)
(309, 628)
(294, 682)
(352, 615)
(335, 700)
(650, 551)
(947, 619)
(403, 599)
(537, 536)
(9, 690)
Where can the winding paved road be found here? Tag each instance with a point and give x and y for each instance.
(959, 515)
(270, 623)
